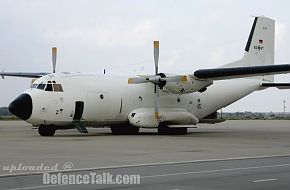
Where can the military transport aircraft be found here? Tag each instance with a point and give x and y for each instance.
(169, 102)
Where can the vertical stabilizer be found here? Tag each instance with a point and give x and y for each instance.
(259, 49)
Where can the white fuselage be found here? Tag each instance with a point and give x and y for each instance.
(120, 98)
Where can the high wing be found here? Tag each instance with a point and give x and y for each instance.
(31, 74)
(241, 72)
(277, 85)
(22, 74)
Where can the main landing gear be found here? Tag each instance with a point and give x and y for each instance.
(124, 130)
(163, 129)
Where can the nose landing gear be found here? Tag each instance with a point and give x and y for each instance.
(46, 130)
(77, 123)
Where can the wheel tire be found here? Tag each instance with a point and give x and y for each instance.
(124, 130)
(163, 129)
(46, 130)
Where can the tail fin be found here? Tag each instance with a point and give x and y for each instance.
(260, 46)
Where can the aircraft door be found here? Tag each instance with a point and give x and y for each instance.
(79, 108)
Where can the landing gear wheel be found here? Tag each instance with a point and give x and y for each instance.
(165, 130)
(124, 130)
(46, 130)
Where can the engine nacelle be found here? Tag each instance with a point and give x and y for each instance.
(191, 85)
(144, 117)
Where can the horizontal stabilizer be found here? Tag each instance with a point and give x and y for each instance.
(241, 72)
(277, 85)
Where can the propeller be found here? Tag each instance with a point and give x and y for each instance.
(159, 80)
(54, 55)
(156, 87)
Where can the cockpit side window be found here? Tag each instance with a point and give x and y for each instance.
(41, 86)
(34, 85)
(49, 87)
(57, 88)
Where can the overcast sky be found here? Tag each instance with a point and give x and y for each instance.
(117, 35)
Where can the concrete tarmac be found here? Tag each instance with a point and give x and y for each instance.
(22, 146)
(247, 173)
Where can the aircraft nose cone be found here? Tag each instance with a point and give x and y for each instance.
(21, 106)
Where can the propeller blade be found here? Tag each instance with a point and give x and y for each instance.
(2, 76)
(176, 78)
(157, 114)
(156, 55)
(137, 80)
(54, 54)
(155, 79)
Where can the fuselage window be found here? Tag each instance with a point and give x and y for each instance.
(48, 87)
(57, 88)
(41, 86)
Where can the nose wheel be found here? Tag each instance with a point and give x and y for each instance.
(46, 130)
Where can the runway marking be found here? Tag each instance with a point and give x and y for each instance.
(148, 164)
(264, 180)
(176, 174)
(36, 187)
(212, 171)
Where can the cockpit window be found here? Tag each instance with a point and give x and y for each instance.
(34, 85)
(57, 88)
(41, 86)
(48, 87)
